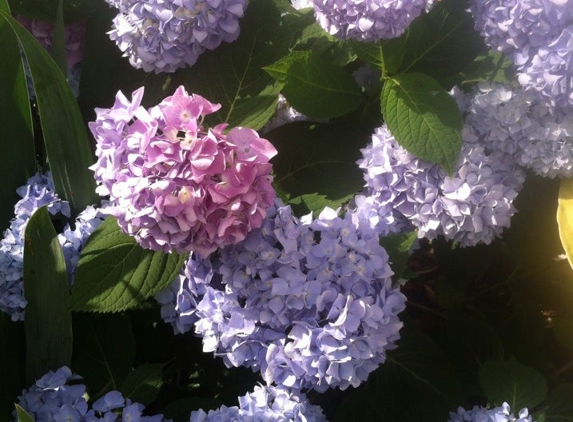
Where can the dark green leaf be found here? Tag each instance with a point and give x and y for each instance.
(385, 54)
(512, 382)
(326, 46)
(65, 135)
(416, 379)
(104, 350)
(563, 331)
(423, 118)
(23, 416)
(12, 363)
(142, 384)
(115, 273)
(320, 89)
(46, 289)
(58, 49)
(493, 67)
(399, 248)
(317, 159)
(233, 75)
(558, 407)
(440, 44)
(357, 406)
(45, 10)
(17, 160)
(279, 69)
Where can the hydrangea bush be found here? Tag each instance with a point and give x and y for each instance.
(270, 210)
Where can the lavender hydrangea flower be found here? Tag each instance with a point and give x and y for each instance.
(38, 191)
(483, 414)
(164, 35)
(368, 20)
(177, 185)
(471, 207)
(538, 37)
(309, 303)
(57, 397)
(265, 404)
(517, 122)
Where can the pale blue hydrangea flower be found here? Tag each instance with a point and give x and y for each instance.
(483, 414)
(57, 397)
(309, 303)
(517, 122)
(473, 206)
(265, 404)
(38, 191)
(538, 37)
(367, 20)
(164, 35)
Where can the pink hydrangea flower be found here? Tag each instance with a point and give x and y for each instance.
(177, 185)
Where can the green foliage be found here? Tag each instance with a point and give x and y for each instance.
(558, 407)
(23, 416)
(104, 350)
(62, 126)
(317, 88)
(46, 10)
(512, 382)
(48, 321)
(12, 363)
(115, 273)
(490, 67)
(317, 158)
(423, 118)
(399, 247)
(142, 385)
(417, 379)
(17, 164)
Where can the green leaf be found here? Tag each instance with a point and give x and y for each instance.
(326, 46)
(356, 406)
(512, 382)
(316, 202)
(232, 75)
(142, 385)
(317, 159)
(559, 404)
(45, 10)
(423, 118)
(17, 164)
(23, 416)
(46, 289)
(279, 69)
(319, 89)
(114, 273)
(12, 363)
(440, 44)
(385, 54)
(64, 132)
(104, 350)
(490, 67)
(416, 379)
(399, 247)
(58, 49)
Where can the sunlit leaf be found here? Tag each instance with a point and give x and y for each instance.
(46, 289)
(23, 416)
(565, 217)
(115, 273)
(423, 118)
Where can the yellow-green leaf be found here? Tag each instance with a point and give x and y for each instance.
(565, 217)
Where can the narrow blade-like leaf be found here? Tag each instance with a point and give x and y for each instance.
(46, 289)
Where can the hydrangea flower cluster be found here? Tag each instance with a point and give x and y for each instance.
(165, 35)
(176, 185)
(483, 414)
(51, 399)
(265, 404)
(538, 37)
(74, 34)
(471, 207)
(514, 121)
(368, 20)
(309, 303)
(38, 191)
(284, 114)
